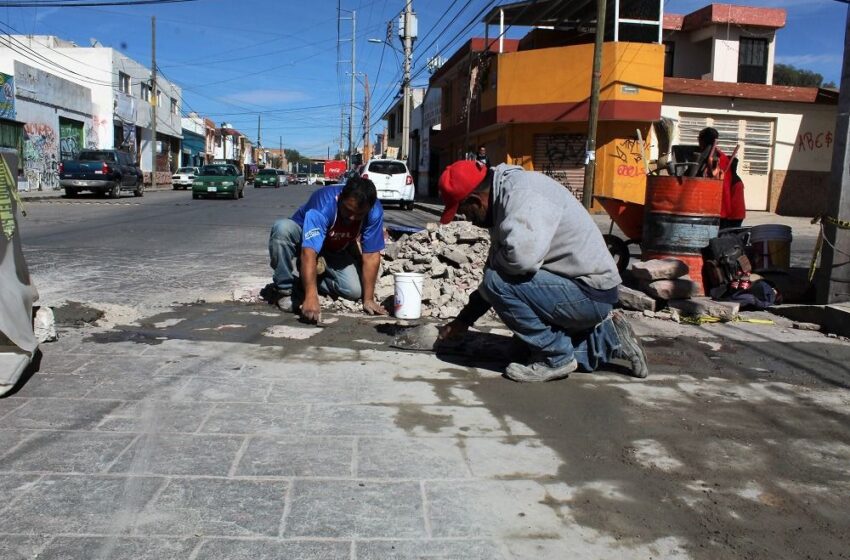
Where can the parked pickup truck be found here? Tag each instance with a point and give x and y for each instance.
(107, 172)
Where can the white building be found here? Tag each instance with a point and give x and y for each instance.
(119, 96)
(719, 72)
(394, 118)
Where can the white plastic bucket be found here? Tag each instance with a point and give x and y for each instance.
(771, 247)
(408, 294)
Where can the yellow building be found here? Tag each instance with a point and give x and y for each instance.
(527, 100)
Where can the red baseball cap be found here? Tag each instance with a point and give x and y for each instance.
(457, 182)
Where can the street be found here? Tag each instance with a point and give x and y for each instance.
(183, 424)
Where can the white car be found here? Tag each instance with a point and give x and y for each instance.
(393, 181)
(184, 178)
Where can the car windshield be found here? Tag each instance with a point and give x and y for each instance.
(268, 172)
(186, 170)
(97, 156)
(387, 167)
(216, 170)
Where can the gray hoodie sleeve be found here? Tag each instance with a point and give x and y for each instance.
(525, 234)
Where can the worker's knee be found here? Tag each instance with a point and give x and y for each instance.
(286, 229)
(349, 290)
(492, 285)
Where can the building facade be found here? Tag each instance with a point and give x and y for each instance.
(118, 95)
(719, 72)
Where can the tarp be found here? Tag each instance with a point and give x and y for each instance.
(17, 339)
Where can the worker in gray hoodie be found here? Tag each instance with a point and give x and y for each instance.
(549, 275)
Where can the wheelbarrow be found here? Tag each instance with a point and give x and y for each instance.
(628, 216)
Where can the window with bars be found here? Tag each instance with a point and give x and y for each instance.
(754, 139)
(752, 60)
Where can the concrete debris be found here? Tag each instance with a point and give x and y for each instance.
(805, 326)
(704, 306)
(44, 325)
(680, 288)
(451, 257)
(634, 299)
(659, 269)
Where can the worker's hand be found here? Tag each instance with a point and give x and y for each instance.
(372, 307)
(452, 333)
(311, 310)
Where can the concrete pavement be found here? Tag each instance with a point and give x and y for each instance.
(184, 425)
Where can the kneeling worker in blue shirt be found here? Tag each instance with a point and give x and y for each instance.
(321, 241)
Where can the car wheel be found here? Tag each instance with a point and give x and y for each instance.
(114, 191)
(235, 195)
(242, 193)
(140, 190)
(175, 187)
(196, 196)
(71, 193)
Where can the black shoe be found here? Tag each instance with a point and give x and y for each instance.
(630, 347)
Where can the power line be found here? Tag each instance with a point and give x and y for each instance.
(85, 3)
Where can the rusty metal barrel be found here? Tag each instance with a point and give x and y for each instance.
(681, 215)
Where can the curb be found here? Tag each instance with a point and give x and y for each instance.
(834, 319)
(53, 195)
(427, 208)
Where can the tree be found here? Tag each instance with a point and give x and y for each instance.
(788, 75)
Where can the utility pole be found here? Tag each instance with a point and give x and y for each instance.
(280, 148)
(367, 115)
(154, 101)
(259, 135)
(407, 41)
(353, 78)
(835, 260)
(593, 114)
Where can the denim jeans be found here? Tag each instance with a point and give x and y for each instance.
(554, 317)
(342, 271)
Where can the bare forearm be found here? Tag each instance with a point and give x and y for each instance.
(371, 266)
(308, 272)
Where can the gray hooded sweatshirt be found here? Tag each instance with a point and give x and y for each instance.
(537, 223)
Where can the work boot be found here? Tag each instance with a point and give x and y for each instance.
(630, 347)
(539, 372)
(272, 294)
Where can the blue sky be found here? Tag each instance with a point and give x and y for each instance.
(237, 59)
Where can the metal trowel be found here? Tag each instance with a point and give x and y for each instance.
(423, 338)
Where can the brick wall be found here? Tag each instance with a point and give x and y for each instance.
(798, 193)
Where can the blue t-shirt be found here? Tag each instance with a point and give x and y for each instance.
(318, 215)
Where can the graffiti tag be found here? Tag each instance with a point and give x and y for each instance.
(809, 141)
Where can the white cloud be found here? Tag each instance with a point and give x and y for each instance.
(266, 96)
(43, 14)
(809, 60)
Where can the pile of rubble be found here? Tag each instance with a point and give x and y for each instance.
(664, 283)
(451, 257)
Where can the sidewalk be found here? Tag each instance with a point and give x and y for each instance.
(221, 430)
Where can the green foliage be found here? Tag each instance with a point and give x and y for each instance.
(294, 156)
(788, 75)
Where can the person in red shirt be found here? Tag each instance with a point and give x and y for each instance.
(732, 207)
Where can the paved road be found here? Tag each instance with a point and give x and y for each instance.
(159, 249)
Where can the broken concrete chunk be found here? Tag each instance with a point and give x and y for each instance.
(673, 289)
(633, 299)
(453, 256)
(467, 236)
(391, 251)
(659, 269)
(702, 306)
(44, 325)
(423, 258)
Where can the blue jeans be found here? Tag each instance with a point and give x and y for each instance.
(554, 317)
(342, 274)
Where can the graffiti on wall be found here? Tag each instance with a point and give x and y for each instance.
(95, 131)
(561, 157)
(628, 152)
(41, 168)
(7, 97)
(70, 139)
(811, 141)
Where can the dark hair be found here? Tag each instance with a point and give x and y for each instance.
(708, 136)
(361, 190)
(482, 146)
